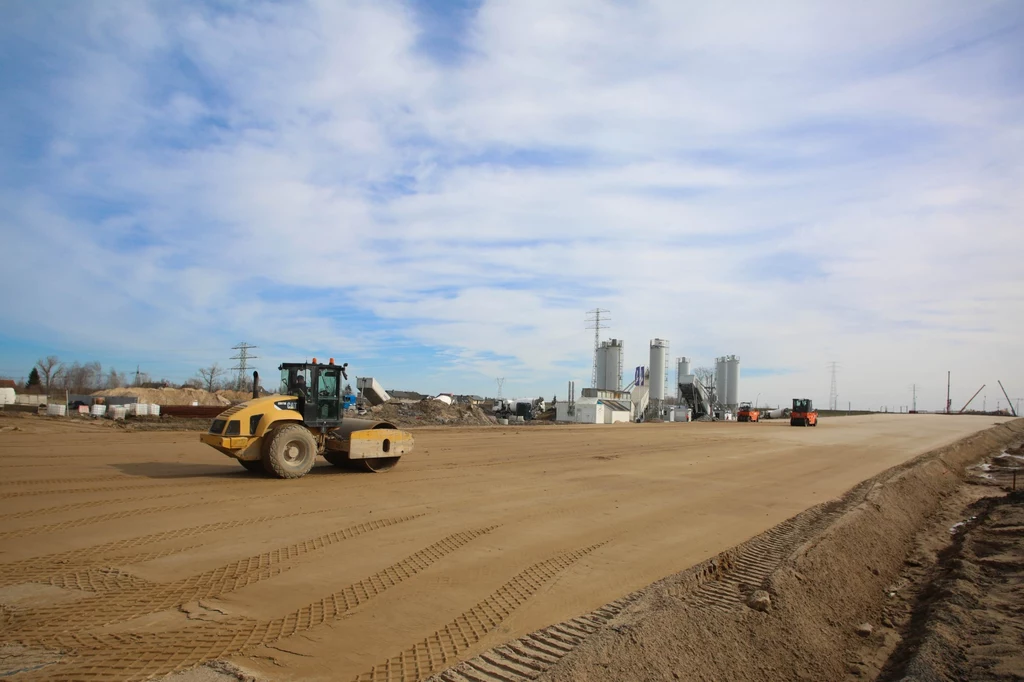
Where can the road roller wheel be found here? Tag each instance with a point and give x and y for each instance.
(378, 464)
(291, 452)
(253, 465)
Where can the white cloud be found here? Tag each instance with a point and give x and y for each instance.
(674, 162)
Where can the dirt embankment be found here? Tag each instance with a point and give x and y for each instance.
(178, 396)
(431, 412)
(966, 620)
(806, 600)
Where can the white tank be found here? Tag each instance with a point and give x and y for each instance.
(683, 366)
(154, 410)
(55, 410)
(117, 412)
(721, 381)
(613, 365)
(98, 410)
(602, 365)
(659, 358)
(732, 365)
(142, 409)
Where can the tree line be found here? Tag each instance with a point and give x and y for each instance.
(52, 374)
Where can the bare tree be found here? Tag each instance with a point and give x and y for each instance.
(706, 376)
(210, 375)
(116, 379)
(49, 367)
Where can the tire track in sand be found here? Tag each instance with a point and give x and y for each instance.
(124, 513)
(527, 657)
(89, 520)
(128, 597)
(61, 508)
(137, 656)
(443, 647)
(720, 584)
(38, 569)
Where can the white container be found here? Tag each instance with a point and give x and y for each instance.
(83, 409)
(503, 421)
(56, 410)
(98, 410)
(142, 409)
(154, 410)
(118, 412)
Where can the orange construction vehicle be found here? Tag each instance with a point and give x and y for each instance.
(803, 413)
(747, 413)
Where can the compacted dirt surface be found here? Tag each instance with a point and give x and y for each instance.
(133, 555)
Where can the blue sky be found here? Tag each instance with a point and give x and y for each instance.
(436, 192)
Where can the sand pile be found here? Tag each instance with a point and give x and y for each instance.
(178, 396)
(428, 412)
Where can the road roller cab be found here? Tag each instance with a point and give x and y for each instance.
(803, 413)
(282, 434)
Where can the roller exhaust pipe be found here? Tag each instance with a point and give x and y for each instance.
(255, 385)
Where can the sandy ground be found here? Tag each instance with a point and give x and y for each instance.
(142, 554)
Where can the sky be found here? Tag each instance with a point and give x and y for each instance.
(437, 192)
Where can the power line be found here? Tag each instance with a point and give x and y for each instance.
(594, 321)
(243, 357)
(833, 394)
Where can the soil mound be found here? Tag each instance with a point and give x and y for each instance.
(178, 396)
(428, 412)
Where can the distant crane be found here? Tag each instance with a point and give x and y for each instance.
(971, 400)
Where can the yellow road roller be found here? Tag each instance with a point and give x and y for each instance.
(282, 434)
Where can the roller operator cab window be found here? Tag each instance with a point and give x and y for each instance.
(327, 394)
(328, 383)
(295, 381)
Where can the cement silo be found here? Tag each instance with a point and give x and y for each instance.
(721, 381)
(732, 366)
(659, 361)
(682, 367)
(601, 360)
(613, 365)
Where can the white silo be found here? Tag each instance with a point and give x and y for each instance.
(602, 363)
(733, 379)
(683, 366)
(613, 365)
(721, 381)
(659, 361)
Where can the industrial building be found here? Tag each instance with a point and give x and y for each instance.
(589, 410)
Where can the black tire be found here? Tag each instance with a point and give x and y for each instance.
(290, 452)
(253, 465)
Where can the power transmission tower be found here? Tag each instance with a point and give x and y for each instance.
(243, 357)
(833, 394)
(501, 384)
(596, 322)
(137, 374)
